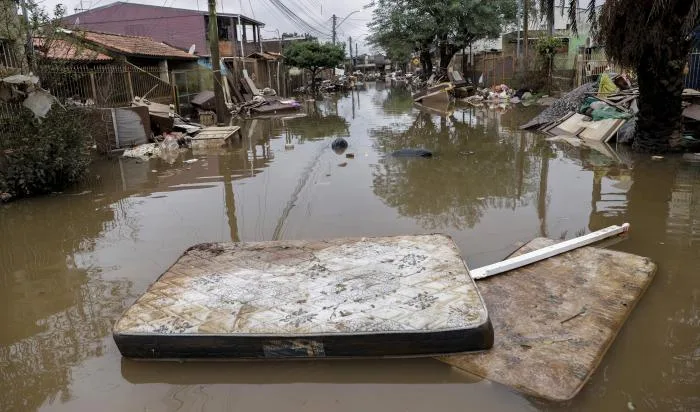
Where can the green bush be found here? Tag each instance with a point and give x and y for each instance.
(43, 156)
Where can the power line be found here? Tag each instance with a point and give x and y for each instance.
(293, 17)
(251, 9)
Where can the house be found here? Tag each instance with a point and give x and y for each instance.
(90, 47)
(511, 41)
(184, 29)
(68, 52)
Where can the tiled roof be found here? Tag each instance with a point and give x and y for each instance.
(65, 50)
(265, 55)
(133, 45)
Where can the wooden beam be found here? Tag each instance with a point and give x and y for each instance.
(547, 252)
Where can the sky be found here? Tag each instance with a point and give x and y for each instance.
(317, 13)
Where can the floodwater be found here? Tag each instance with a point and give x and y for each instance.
(71, 263)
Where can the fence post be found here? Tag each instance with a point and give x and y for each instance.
(92, 84)
(173, 91)
(128, 82)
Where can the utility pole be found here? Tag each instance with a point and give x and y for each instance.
(335, 19)
(518, 16)
(350, 44)
(221, 110)
(240, 26)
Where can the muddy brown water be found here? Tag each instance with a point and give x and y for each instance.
(72, 262)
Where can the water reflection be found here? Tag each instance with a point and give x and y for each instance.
(316, 125)
(478, 165)
(70, 263)
(55, 311)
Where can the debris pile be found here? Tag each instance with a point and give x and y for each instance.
(606, 110)
(245, 99)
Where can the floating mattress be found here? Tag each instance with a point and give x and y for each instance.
(369, 297)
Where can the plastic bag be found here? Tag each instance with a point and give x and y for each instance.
(608, 113)
(605, 85)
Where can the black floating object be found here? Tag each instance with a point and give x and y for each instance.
(412, 153)
(339, 145)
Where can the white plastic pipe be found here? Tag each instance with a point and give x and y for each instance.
(547, 252)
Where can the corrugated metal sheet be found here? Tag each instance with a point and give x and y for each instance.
(132, 125)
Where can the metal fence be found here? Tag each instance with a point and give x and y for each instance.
(113, 85)
(692, 79)
(191, 82)
(590, 65)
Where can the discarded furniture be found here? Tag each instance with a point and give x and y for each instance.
(341, 298)
(160, 114)
(132, 126)
(214, 136)
(555, 319)
(434, 95)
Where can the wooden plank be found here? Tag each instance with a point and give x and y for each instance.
(246, 88)
(389, 296)
(600, 130)
(692, 112)
(222, 133)
(571, 126)
(614, 104)
(235, 88)
(555, 319)
(613, 131)
(547, 252)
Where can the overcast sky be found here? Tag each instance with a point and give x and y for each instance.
(315, 12)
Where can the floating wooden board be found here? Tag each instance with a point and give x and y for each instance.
(601, 130)
(214, 137)
(215, 132)
(555, 319)
(571, 126)
(393, 296)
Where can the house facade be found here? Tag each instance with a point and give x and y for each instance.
(184, 29)
(511, 41)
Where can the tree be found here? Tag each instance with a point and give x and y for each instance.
(422, 25)
(654, 38)
(571, 7)
(314, 56)
(306, 36)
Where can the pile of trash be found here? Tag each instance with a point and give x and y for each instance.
(605, 110)
(499, 93)
(570, 102)
(168, 149)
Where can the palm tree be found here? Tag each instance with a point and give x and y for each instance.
(653, 37)
(571, 7)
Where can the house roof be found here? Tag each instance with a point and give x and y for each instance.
(135, 46)
(265, 55)
(59, 49)
(244, 19)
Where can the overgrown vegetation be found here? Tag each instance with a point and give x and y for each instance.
(546, 48)
(39, 156)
